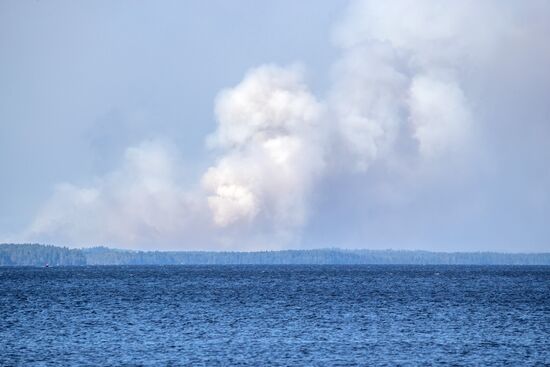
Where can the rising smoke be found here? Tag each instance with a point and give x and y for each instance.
(404, 77)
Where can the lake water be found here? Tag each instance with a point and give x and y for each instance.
(274, 315)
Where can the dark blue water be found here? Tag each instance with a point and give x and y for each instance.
(274, 315)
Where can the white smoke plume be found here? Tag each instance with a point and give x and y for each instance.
(270, 129)
(398, 73)
(404, 74)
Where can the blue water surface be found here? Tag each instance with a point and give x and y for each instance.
(275, 315)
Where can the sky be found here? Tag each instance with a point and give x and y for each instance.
(251, 125)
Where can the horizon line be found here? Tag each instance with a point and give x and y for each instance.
(343, 249)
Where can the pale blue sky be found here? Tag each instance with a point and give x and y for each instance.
(81, 82)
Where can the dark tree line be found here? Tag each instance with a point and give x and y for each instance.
(40, 255)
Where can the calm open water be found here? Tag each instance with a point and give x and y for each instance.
(275, 315)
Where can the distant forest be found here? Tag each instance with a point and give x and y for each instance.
(41, 255)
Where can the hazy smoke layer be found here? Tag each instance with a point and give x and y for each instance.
(406, 89)
(141, 202)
